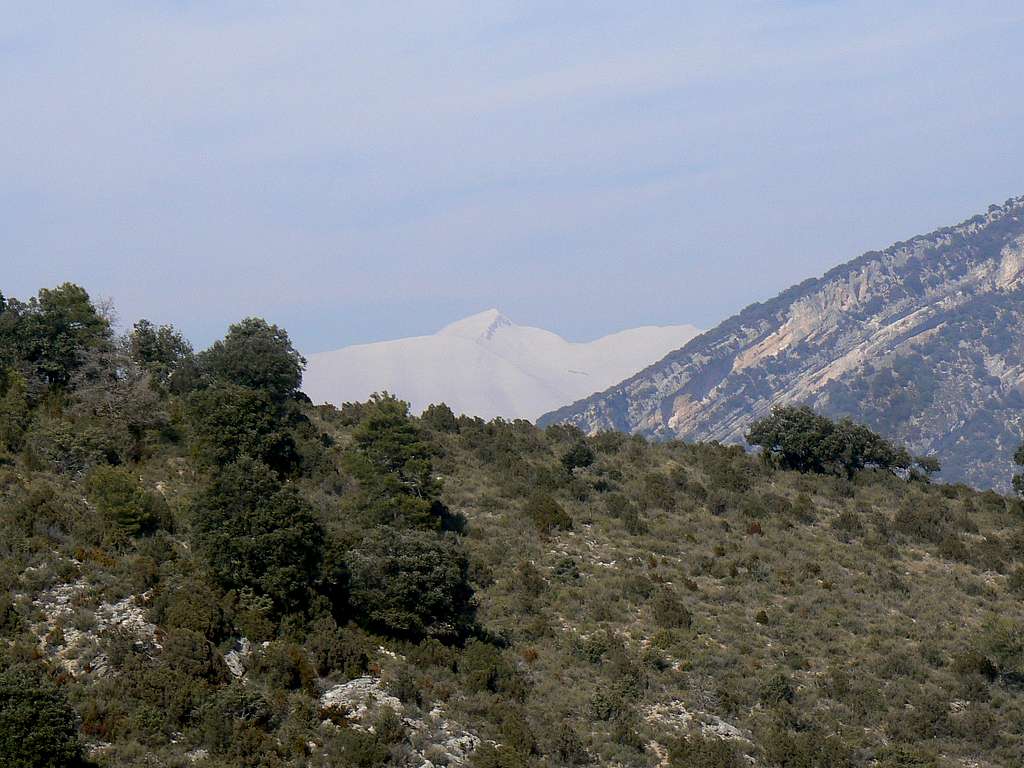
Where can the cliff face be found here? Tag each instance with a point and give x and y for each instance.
(923, 341)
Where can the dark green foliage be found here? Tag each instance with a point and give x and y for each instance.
(1018, 480)
(775, 690)
(483, 668)
(48, 336)
(410, 584)
(488, 755)
(578, 456)
(160, 350)
(704, 752)
(229, 421)
(440, 418)
(121, 499)
(804, 749)
(337, 651)
(257, 534)
(547, 514)
(191, 654)
(285, 666)
(668, 610)
(393, 464)
(800, 439)
(256, 355)
(38, 728)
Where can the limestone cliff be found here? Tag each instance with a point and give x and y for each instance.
(923, 341)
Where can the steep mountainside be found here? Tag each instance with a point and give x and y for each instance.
(487, 366)
(921, 341)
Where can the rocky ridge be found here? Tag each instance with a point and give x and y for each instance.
(921, 341)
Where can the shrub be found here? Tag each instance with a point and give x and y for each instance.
(489, 755)
(285, 666)
(122, 500)
(798, 438)
(337, 651)
(483, 668)
(658, 492)
(547, 514)
(668, 610)
(257, 534)
(578, 456)
(804, 749)
(410, 584)
(923, 517)
(189, 653)
(704, 752)
(38, 728)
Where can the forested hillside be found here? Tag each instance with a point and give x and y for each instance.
(921, 341)
(200, 568)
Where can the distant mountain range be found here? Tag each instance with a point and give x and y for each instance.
(923, 341)
(486, 365)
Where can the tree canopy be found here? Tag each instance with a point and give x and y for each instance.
(392, 460)
(258, 534)
(49, 334)
(38, 728)
(411, 584)
(257, 355)
(798, 438)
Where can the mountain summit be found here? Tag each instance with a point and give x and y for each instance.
(485, 365)
(922, 341)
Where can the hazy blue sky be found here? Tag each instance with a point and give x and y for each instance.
(358, 171)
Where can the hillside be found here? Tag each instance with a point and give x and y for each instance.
(921, 341)
(487, 366)
(198, 568)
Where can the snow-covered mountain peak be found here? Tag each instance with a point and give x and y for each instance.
(486, 365)
(482, 325)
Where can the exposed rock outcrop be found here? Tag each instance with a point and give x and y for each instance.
(923, 341)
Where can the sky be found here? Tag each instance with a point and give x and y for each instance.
(361, 171)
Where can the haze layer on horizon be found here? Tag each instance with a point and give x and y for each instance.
(364, 171)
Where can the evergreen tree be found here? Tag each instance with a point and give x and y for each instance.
(121, 499)
(15, 412)
(410, 584)
(160, 350)
(257, 355)
(229, 421)
(393, 464)
(798, 438)
(258, 534)
(38, 728)
(51, 334)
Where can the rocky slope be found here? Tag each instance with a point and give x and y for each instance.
(486, 365)
(922, 341)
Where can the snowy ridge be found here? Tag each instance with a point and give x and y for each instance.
(485, 365)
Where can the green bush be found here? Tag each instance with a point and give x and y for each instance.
(121, 499)
(410, 584)
(38, 728)
(483, 668)
(704, 752)
(578, 456)
(668, 610)
(547, 514)
(257, 534)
